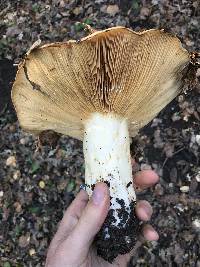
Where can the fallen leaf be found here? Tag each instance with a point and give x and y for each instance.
(112, 10)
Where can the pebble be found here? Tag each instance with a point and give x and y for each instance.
(197, 177)
(181, 207)
(176, 116)
(25, 140)
(197, 137)
(11, 161)
(77, 10)
(16, 175)
(22, 141)
(189, 42)
(196, 224)
(32, 251)
(198, 72)
(144, 12)
(12, 128)
(112, 10)
(184, 189)
(159, 191)
(62, 3)
(24, 241)
(42, 184)
(1, 193)
(62, 185)
(18, 207)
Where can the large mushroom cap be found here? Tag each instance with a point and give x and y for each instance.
(133, 74)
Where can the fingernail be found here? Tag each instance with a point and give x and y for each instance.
(98, 195)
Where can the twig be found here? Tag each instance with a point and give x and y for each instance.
(166, 159)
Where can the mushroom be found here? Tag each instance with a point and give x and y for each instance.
(102, 89)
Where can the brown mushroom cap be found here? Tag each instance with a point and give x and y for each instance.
(132, 74)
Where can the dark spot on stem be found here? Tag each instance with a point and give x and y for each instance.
(130, 183)
(92, 187)
(108, 183)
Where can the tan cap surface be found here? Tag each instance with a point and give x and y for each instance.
(117, 70)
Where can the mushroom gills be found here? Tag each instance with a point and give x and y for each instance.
(106, 147)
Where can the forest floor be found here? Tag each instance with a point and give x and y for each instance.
(37, 186)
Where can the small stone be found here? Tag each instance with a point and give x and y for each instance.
(12, 128)
(16, 175)
(65, 14)
(112, 10)
(184, 189)
(180, 207)
(32, 251)
(154, 2)
(20, 36)
(185, 118)
(90, 10)
(42, 184)
(11, 161)
(11, 16)
(22, 141)
(181, 98)
(62, 3)
(159, 191)
(176, 116)
(140, 159)
(1, 193)
(62, 185)
(77, 10)
(196, 224)
(18, 207)
(197, 137)
(197, 177)
(155, 122)
(198, 72)
(144, 12)
(189, 42)
(24, 241)
(188, 176)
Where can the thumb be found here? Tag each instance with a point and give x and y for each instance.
(92, 217)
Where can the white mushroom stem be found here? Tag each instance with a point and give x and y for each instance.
(106, 148)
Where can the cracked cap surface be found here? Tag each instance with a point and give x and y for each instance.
(133, 75)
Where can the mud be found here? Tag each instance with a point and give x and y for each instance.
(114, 240)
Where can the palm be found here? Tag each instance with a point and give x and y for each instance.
(92, 260)
(71, 245)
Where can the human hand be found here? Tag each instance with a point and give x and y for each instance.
(72, 244)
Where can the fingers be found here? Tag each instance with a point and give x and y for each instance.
(144, 210)
(69, 219)
(150, 233)
(73, 213)
(145, 179)
(92, 218)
